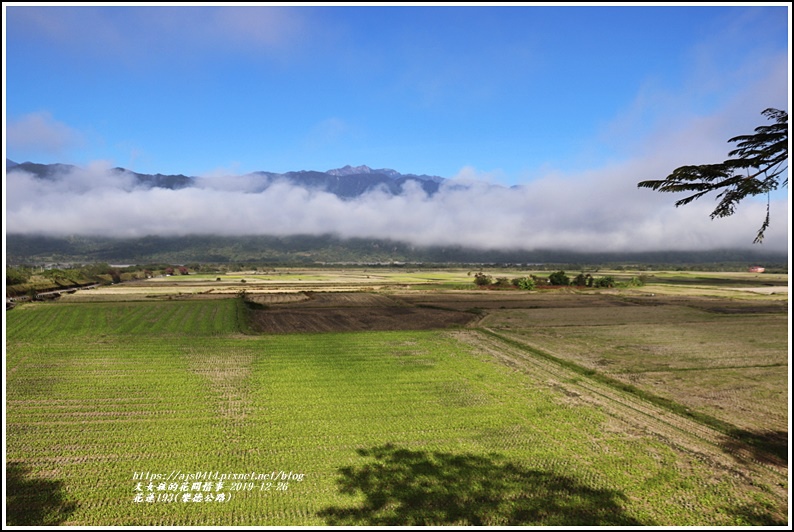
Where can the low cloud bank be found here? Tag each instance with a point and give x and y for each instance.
(595, 211)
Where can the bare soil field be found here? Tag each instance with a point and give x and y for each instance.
(507, 299)
(345, 312)
(309, 299)
(714, 304)
(765, 290)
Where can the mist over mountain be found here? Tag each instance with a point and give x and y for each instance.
(346, 182)
(595, 212)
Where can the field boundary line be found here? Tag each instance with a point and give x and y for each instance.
(659, 409)
(626, 372)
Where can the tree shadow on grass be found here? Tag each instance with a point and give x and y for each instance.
(34, 501)
(757, 515)
(403, 487)
(770, 447)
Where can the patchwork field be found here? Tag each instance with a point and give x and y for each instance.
(727, 359)
(397, 407)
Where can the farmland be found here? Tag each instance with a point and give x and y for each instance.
(398, 398)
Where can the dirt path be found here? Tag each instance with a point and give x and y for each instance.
(763, 290)
(722, 452)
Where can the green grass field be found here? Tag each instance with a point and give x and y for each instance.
(360, 428)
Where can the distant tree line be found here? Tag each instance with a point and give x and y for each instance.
(328, 250)
(30, 280)
(558, 278)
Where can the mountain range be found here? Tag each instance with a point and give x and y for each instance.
(346, 182)
(64, 213)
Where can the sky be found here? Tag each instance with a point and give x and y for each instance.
(550, 115)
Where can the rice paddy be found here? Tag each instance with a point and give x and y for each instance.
(172, 412)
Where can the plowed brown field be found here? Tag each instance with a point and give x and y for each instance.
(345, 312)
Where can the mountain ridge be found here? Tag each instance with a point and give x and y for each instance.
(346, 182)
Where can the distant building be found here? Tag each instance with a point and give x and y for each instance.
(756, 269)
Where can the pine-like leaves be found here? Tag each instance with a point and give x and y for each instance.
(755, 168)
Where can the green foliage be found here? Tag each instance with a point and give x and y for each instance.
(759, 163)
(604, 282)
(54, 273)
(482, 279)
(559, 279)
(525, 283)
(18, 275)
(583, 279)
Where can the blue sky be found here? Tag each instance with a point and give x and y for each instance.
(510, 95)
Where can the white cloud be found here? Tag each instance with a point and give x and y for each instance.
(40, 132)
(471, 176)
(88, 28)
(139, 31)
(594, 211)
(328, 132)
(266, 27)
(674, 123)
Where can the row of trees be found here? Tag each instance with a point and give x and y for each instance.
(582, 279)
(558, 278)
(524, 283)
